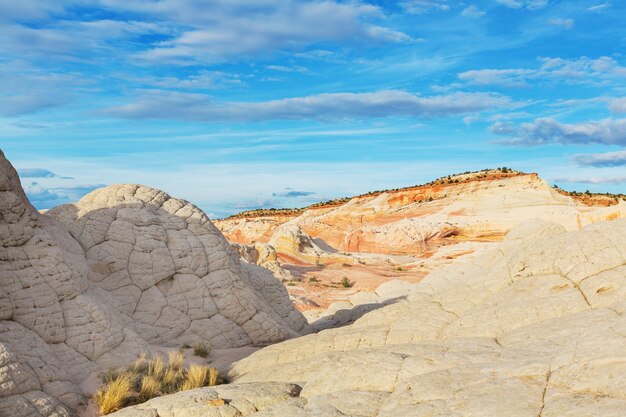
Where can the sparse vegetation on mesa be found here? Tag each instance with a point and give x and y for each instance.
(466, 176)
(592, 198)
(148, 378)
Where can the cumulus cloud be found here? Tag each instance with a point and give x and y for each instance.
(546, 130)
(42, 197)
(39, 173)
(608, 159)
(334, 106)
(565, 23)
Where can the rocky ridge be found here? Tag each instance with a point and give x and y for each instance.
(477, 206)
(92, 285)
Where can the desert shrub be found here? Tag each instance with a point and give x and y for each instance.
(201, 349)
(314, 279)
(147, 378)
(345, 282)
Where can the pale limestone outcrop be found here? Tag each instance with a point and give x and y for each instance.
(69, 307)
(535, 327)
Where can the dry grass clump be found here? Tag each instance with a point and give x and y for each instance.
(201, 349)
(147, 378)
(114, 396)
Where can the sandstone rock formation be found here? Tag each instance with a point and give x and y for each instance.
(534, 327)
(173, 273)
(292, 244)
(263, 255)
(125, 267)
(479, 206)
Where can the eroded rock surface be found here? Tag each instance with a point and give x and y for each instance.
(535, 327)
(172, 271)
(126, 267)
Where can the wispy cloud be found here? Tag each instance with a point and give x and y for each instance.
(578, 180)
(423, 6)
(241, 29)
(504, 77)
(569, 71)
(599, 7)
(334, 106)
(39, 173)
(618, 105)
(472, 11)
(289, 193)
(546, 130)
(565, 23)
(524, 4)
(608, 159)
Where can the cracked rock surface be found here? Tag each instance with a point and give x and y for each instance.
(535, 327)
(93, 284)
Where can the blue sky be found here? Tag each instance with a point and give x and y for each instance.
(239, 104)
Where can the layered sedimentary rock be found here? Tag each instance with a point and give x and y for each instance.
(479, 206)
(125, 267)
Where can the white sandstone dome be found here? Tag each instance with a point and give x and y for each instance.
(173, 273)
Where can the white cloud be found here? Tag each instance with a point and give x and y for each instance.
(423, 6)
(618, 105)
(42, 197)
(189, 31)
(235, 29)
(565, 23)
(334, 106)
(546, 130)
(608, 159)
(39, 173)
(582, 70)
(599, 7)
(504, 77)
(472, 11)
(524, 4)
(575, 180)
